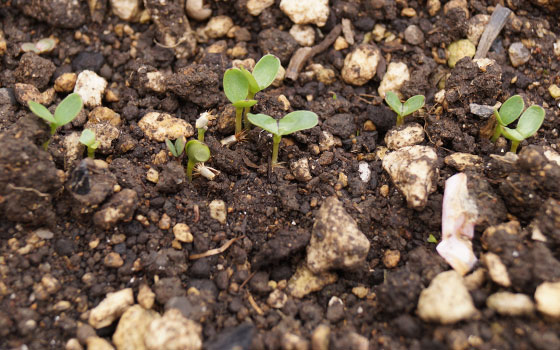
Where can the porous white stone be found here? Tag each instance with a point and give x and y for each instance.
(256, 7)
(306, 11)
(218, 210)
(90, 87)
(132, 326)
(446, 300)
(547, 297)
(511, 304)
(303, 34)
(111, 308)
(159, 126)
(360, 65)
(397, 74)
(406, 135)
(127, 10)
(173, 332)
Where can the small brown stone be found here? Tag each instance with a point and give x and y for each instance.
(391, 258)
(113, 260)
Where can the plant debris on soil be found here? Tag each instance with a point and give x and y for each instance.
(333, 248)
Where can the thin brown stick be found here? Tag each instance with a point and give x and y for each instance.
(215, 251)
(254, 304)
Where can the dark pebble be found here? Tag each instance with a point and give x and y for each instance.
(259, 283)
(407, 326)
(87, 60)
(200, 268)
(64, 247)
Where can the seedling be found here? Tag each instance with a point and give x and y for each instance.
(197, 152)
(64, 113)
(403, 109)
(176, 148)
(41, 46)
(432, 239)
(292, 122)
(202, 124)
(528, 124)
(240, 86)
(88, 139)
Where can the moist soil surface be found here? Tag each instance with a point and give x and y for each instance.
(73, 230)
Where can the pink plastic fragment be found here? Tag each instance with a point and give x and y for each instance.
(459, 214)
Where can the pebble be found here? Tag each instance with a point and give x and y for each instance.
(132, 327)
(554, 91)
(277, 299)
(462, 4)
(152, 175)
(113, 260)
(360, 291)
(165, 222)
(111, 308)
(518, 54)
(104, 115)
(303, 34)
(336, 241)
(256, 7)
(446, 300)
(411, 169)
(459, 49)
(28, 92)
(405, 135)
(511, 304)
(65, 82)
(306, 11)
(340, 44)
(88, 60)
(218, 27)
(547, 297)
(120, 207)
(300, 170)
(397, 74)
(304, 282)
(481, 110)
(218, 210)
(96, 343)
(73, 149)
(44, 233)
(391, 258)
(146, 297)
(35, 70)
(364, 172)
(320, 337)
(476, 26)
(90, 87)
(173, 332)
(127, 10)
(73, 344)
(408, 12)
(463, 161)
(433, 7)
(496, 269)
(159, 126)
(182, 233)
(294, 341)
(413, 35)
(360, 65)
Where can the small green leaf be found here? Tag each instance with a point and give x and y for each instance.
(512, 134)
(197, 151)
(88, 137)
(393, 101)
(171, 147)
(265, 71)
(412, 105)
(265, 122)
(253, 85)
(95, 145)
(432, 239)
(41, 111)
(68, 109)
(180, 145)
(530, 121)
(244, 103)
(296, 121)
(236, 86)
(511, 109)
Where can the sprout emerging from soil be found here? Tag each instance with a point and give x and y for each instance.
(459, 214)
(64, 113)
(202, 124)
(403, 109)
(176, 148)
(240, 86)
(88, 139)
(197, 152)
(527, 126)
(41, 46)
(292, 122)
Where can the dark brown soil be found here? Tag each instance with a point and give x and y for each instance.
(57, 215)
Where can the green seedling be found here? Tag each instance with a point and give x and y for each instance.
(88, 139)
(240, 86)
(197, 152)
(64, 113)
(202, 124)
(236, 88)
(528, 124)
(41, 46)
(432, 239)
(403, 109)
(176, 148)
(292, 122)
